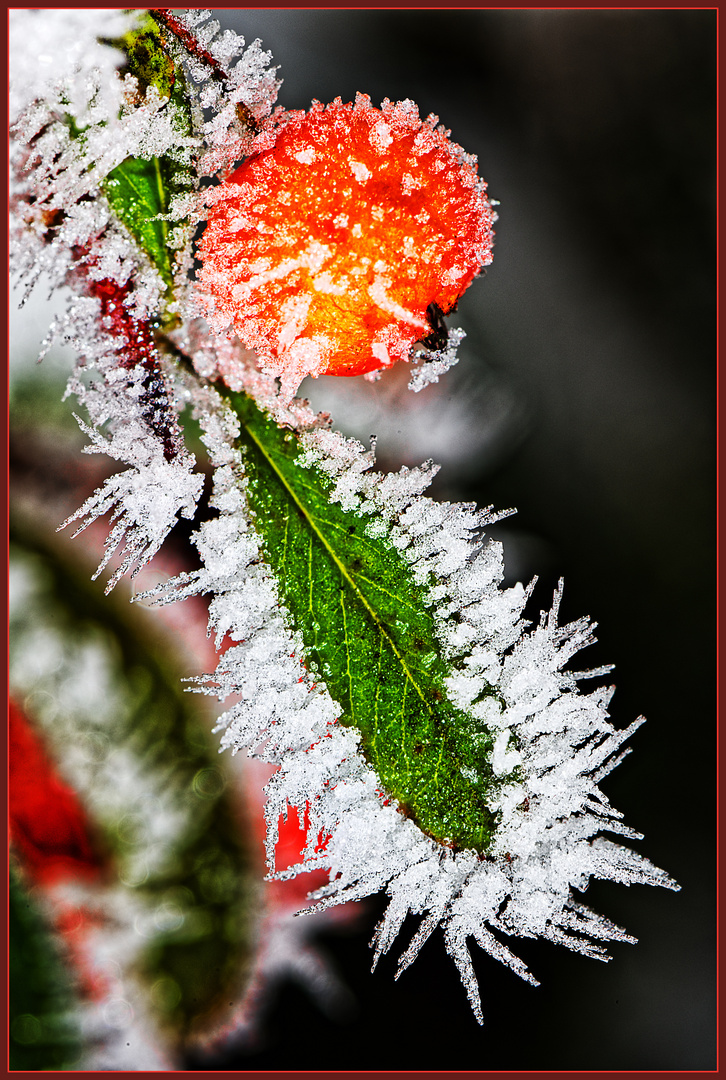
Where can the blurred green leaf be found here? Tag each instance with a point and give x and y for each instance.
(42, 1030)
(202, 889)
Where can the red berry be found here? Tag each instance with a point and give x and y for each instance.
(324, 251)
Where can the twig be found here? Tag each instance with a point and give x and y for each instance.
(170, 22)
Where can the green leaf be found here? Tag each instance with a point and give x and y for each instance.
(147, 58)
(137, 194)
(371, 637)
(139, 190)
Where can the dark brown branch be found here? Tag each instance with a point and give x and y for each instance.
(170, 22)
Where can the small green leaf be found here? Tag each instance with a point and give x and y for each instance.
(137, 195)
(371, 637)
(140, 190)
(147, 58)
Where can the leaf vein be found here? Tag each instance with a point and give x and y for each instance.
(342, 568)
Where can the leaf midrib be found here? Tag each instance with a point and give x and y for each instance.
(341, 567)
(155, 219)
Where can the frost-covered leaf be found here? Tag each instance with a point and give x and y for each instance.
(371, 638)
(234, 82)
(136, 192)
(147, 57)
(137, 399)
(548, 745)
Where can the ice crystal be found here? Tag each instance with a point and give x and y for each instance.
(436, 362)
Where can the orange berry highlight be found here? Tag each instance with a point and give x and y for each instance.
(324, 251)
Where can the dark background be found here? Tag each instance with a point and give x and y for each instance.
(590, 360)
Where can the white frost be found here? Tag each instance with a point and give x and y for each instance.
(74, 119)
(436, 362)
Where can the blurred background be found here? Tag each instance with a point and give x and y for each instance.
(585, 398)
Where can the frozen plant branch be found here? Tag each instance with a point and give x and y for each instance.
(435, 743)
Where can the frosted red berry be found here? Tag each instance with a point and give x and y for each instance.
(324, 251)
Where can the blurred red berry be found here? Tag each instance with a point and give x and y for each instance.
(49, 827)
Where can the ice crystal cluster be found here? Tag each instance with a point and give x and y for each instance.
(434, 741)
